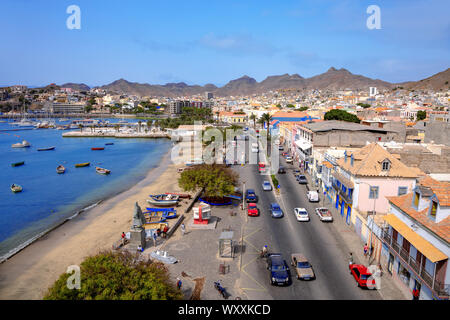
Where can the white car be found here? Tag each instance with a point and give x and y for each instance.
(267, 186)
(301, 214)
(289, 159)
(255, 150)
(313, 196)
(324, 214)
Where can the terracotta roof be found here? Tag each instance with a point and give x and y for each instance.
(290, 114)
(441, 229)
(439, 188)
(368, 162)
(327, 164)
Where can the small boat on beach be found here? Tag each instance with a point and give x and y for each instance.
(16, 188)
(16, 164)
(94, 149)
(23, 144)
(80, 165)
(60, 169)
(102, 170)
(46, 149)
(163, 200)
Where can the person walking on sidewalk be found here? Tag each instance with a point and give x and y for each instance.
(350, 261)
(183, 229)
(366, 250)
(415, 294)
(179, 283)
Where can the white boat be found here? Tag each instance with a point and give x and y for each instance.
(23, 144)
(163, 257)
(163, 200)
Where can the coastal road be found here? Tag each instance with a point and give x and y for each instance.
(318, 241)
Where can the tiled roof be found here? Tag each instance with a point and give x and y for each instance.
(368, 162)
(439, 188)
(290, 114)
(441, 229)
(327, 164)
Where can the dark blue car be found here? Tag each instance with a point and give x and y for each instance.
(250, 195)
(279, 270)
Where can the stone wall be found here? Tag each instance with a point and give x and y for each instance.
(345, 138)
(427, 162)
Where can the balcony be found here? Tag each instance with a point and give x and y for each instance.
(441, 289)
(345, 196)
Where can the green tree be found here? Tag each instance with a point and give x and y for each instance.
(364, 105)
(291, 106)
(302, 109)
(117, 276)
(217, 180)
(337, 114)
(421, 115)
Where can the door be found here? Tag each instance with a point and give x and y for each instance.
(342, 208)
(358, 226)
(337, 201)
(349, 214)
(390, 263)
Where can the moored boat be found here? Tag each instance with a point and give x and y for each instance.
(109, 144)
(102, 170)
(16, 188)
(60, 169)
(80, 165)
(163, 200)
(94, 149)
(16, 164)
(46, 149)
(23, 144)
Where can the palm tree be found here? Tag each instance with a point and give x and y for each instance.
(266, 118)
(81, 127)
(139, 125)
(253, 118)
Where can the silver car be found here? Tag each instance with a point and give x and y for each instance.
(267, 186)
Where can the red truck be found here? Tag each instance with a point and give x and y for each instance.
(362, 276)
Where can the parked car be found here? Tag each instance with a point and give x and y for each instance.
(362, 276)
(324, 214)
(313, 196)
(281, 169)
(302, 179)
(303, 268)
(252, 210)
(250, 195)
(278, 268)
(276, 210)
(301, 214)
(266, 186)
(280, 147)
(289, 159)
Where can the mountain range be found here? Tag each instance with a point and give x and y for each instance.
(333, 79)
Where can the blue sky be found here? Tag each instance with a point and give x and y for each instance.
(201, 42)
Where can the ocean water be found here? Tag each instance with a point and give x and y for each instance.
(49, 198)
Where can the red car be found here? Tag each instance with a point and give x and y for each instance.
(252, 210)
(362, 276)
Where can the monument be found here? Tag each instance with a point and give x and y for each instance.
(137, 231)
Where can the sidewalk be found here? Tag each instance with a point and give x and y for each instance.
(388, 290)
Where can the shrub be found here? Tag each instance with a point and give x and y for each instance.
(117, 276)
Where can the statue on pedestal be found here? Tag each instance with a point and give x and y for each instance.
(137, 231)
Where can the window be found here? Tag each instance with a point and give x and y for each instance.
(350, 193)
(373, 193)
(433, 208)
(402, 190)
(351, 160)
(386, 165)
(416, 199)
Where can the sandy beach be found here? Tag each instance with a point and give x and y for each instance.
(28, 274)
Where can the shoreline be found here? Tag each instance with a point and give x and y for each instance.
(31, 270)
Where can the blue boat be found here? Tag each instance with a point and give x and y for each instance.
(166, 213)
(109, 144)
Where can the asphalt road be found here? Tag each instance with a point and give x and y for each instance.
(317, 240)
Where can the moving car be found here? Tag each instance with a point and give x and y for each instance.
(266, 186)
(281, 169)
(250, 195)
(252, 210)
(255, 150)
(362, 276)
(301, 214)
(302, 179)
(313, 196)
(303, 268)
(289, 159)
(280, 147)
(278, 269)
(261, 167)
(276, 210)
(324, 214)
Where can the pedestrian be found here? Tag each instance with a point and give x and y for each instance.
(350, 261)
(415, 294)
(366, 249)
(123, 238)
(164, 232)
(179, 283)
(183, 229)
